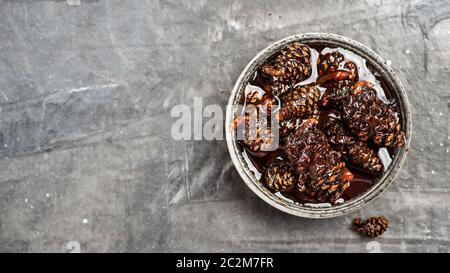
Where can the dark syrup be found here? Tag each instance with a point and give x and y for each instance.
(363, 180)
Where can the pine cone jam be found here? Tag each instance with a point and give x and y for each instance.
(330, 122)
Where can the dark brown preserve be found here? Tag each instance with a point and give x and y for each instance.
(362, 179)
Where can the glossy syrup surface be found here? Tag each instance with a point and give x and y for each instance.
(363, 180)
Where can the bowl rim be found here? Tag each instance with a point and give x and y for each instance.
(358, 202)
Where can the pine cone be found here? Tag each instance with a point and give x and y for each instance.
(358, 152)
(372, 227)
(280, 177)
(322, 173)
(349, 71)
(301, 102)
(255, 131)
(332, 126)
(370, 118)
(336, 93)
(361, 155)
(329, 62)
(293, 65)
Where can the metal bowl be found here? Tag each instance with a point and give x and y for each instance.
(375, 62)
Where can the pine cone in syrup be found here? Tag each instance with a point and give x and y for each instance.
(291, 66)
(336, 93)
(362, 155)
(323, 174)
(370, 118)
(332, 126)
(349, 71)
(280, 177)
(329, 62)
(301, 102)
(372, 227)
(358, 152)
(253, 129)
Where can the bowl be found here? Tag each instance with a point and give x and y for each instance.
(391, 81)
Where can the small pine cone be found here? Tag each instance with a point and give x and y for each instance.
(358, 152)
(336, 93)
(388, 129)
(292, 65)
(349, 71)
(370, 118)
(329, 190)
(301, 102)
(329, 62)
(280, 177)
(362, 155)
(263, 142)
(332, 125)
(254, 131)
(372, 227)
(323, 174)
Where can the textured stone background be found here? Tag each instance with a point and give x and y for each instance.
(86, 157)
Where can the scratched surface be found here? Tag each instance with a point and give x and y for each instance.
(87, 161)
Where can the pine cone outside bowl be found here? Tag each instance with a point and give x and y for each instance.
(375, 62)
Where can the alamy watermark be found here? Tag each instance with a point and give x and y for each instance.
(249, 122)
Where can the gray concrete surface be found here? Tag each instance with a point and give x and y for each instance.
(87, 161)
